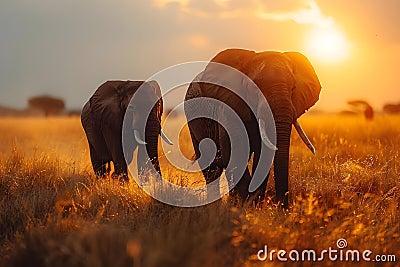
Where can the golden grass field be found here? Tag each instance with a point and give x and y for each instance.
(54, 212)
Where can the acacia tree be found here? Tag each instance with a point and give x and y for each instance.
(391, 108)
(362, 106)
(47, 104)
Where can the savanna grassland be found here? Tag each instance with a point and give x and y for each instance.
(54, 212)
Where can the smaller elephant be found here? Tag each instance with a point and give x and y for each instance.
(103, 118)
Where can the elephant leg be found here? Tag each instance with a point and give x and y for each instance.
(99, 165)
(238, 182)
(211, 174)
(241, 189)
(259, 195)
(114, 145)
(99, 154)
(198, 131)
(146, 165)
(238, 178)
(263, 173)
(108, 167)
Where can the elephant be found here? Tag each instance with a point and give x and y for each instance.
(102, 119)
(290, 86)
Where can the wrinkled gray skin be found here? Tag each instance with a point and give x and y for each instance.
(102, 119)
(290, 86)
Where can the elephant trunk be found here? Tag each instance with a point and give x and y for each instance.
(281, 161)
(153, 129)
(138, 122)
(283, 113)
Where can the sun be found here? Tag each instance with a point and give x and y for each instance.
(327, 44)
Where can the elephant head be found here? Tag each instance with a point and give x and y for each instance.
(103, 118)
(289, 84)
(149, 102)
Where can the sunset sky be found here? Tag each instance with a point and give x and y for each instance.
(68, 48)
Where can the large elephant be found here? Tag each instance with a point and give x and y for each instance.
(290, 86)
(103, 117)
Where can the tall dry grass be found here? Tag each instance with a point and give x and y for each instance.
(54, 212)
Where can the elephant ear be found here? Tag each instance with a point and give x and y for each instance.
(307, 87)
(150, 92)
(125, 92)
(156, 90)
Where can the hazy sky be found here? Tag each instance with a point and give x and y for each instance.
(68, 48)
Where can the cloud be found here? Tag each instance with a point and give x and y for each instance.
(298, 11)
(184, 6)
(164, 3)
(310, 14)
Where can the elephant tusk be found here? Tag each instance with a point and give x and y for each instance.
(304, 136)
(137, 137)
(264, 137)
(166, 139)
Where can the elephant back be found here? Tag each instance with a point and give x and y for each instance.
(105, 103)
(226, 81)
(235, 58)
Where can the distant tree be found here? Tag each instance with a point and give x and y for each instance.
(47, 104)
(391, 108)
(362, 106)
